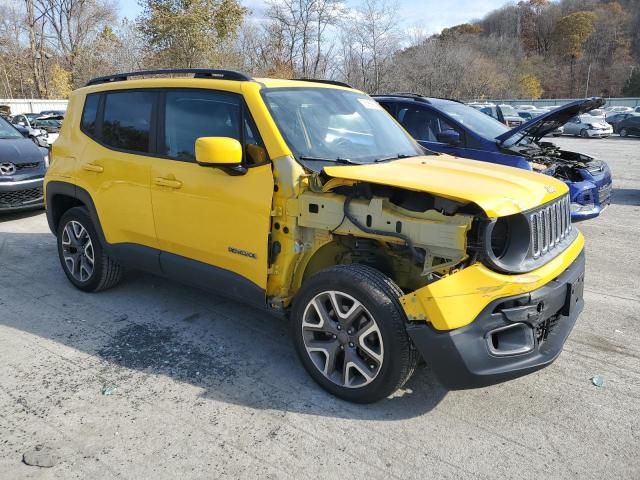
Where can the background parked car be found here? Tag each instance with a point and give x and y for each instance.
(630, 126)
(618, 109)
(616, 118)
(51, 125)
(22, 169)
(37, 136)
(60, 113)
(597, 113)
(587, 126)
(457, 129)
(529, 114)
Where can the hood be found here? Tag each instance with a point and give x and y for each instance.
(497, 189)
(543, 124)
(19, 150)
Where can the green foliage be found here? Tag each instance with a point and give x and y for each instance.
(632, 85)
(188, 33)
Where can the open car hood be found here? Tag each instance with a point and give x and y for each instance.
(546, 123)
(497, 189)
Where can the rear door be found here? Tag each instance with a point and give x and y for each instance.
(208, 220)
(115, 165)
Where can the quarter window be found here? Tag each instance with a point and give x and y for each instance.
(88, 123)
(127, 120)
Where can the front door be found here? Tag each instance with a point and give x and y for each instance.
(210, 223)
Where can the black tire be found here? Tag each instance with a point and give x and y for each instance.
(584, 134)
(624, 132)
(106, 272)
(379, 295)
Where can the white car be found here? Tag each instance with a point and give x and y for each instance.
(526, 107)
(587, 126)
(618, 109)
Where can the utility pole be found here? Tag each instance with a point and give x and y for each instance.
(586, 90)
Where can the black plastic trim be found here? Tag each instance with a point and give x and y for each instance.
(461, 358)
(197, 73)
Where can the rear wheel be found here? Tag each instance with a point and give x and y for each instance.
(584, 133)
(349, 331)
(624, 132)
(82, 257)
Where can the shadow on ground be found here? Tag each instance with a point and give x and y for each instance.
(626, 196)
(234, 353)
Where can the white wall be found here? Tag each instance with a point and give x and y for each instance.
(23, 105)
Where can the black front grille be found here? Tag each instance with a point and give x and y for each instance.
(20, 197)
(26, 166)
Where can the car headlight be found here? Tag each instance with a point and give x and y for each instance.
(507, 241)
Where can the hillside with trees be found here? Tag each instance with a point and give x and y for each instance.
(528, 49)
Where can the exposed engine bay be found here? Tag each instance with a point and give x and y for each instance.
(413, 237)
(549, 159)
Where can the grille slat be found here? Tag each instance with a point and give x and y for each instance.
(20, 197)
(549, 226)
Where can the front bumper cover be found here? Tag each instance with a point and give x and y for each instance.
(463, 358)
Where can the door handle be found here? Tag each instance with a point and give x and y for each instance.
(90, 167)
(166, 182)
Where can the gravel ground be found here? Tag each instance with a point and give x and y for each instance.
(156, 380)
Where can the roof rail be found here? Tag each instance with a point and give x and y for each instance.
(197, 73)
(415, 96)
(329, 82)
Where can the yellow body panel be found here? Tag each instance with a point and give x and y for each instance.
(497, 189)
(211, 213)
(455, 301)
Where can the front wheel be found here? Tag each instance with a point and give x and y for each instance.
(82, 257)
(624, 132)
(349, 331)
(584, 133)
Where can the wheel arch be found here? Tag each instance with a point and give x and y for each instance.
(62, 196)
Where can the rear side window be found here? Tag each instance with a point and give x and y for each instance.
(191, 114)
(89, 114)
(126, 123)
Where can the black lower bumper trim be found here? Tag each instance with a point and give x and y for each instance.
(462, 358)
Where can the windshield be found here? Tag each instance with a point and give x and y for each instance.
(337, 125)
(7, 131)
(484, 125)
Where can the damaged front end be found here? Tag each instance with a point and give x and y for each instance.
(589, 179)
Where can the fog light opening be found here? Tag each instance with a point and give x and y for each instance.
(515, 339)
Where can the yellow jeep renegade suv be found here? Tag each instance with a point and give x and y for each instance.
(309, 199)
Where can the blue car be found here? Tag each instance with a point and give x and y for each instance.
(451, 127)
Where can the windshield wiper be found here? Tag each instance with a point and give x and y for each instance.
(344, 161)
(393, 157)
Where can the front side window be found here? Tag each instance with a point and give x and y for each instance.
(424, 124)
(126, 123)
(336, 125)
(191, 114)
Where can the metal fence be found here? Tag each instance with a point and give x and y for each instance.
(25, 105)
(554, 102)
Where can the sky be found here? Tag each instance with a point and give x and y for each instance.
(427, 16)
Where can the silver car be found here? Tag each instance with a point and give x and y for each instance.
(587, 126)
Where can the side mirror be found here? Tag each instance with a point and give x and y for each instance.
(221, 152)
(450, 137)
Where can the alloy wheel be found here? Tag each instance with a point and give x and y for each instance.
(342, 339)
(77, 251)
